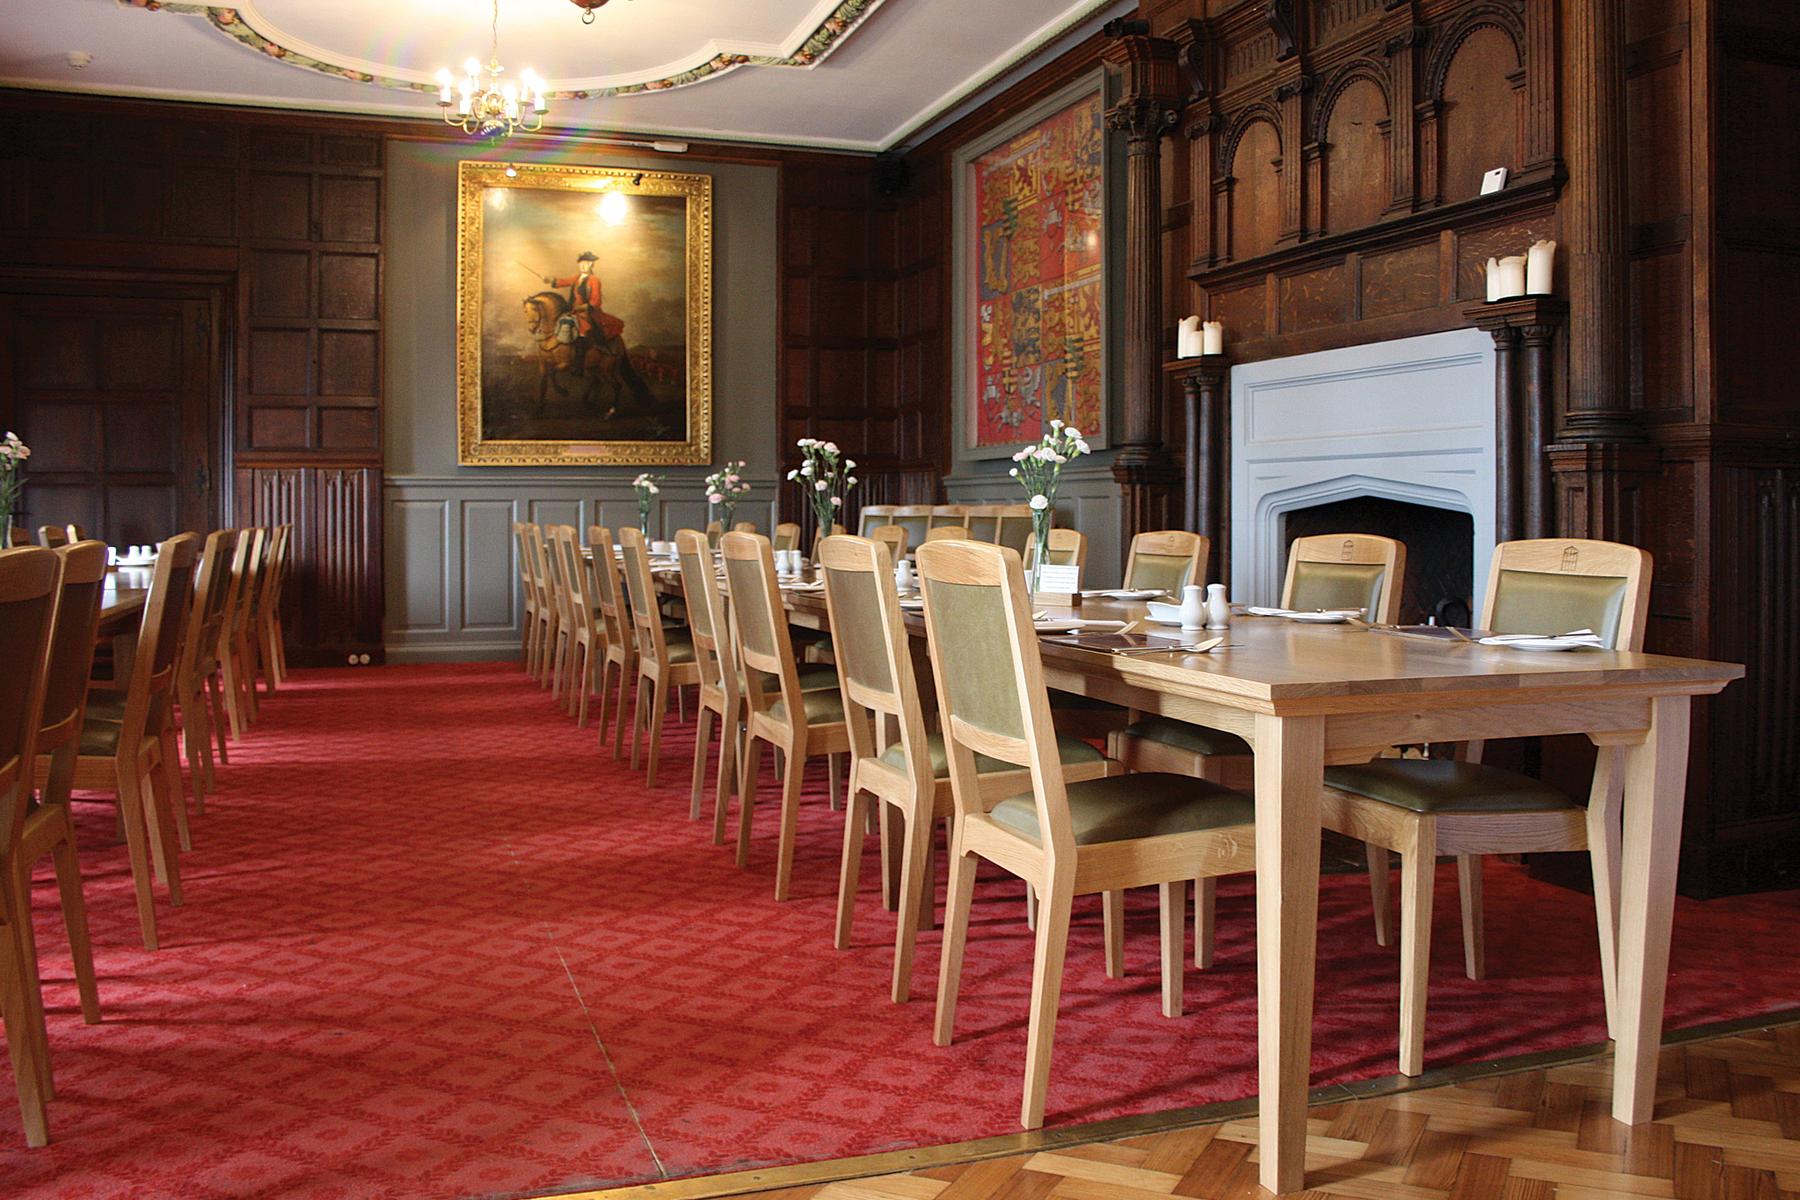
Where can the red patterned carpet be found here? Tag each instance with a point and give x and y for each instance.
(435, 945)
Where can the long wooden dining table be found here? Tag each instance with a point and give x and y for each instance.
(1306, 696)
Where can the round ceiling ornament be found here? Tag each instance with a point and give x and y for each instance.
(587, 8)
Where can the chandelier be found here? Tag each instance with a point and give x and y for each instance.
(483, 106)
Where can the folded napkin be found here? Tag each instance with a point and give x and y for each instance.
(1578, 637)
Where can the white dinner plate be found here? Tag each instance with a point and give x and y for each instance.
(1319, 618)
(1543, 644)
(1129, 594)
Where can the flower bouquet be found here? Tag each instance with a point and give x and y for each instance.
(1038, 471)
(724, 488)
(824, 478)
(13, 454)
(646, 486)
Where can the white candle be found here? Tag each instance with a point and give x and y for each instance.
(1492, 271)
(1187, 337)
(1512, 276)
(1212, 338)
(1540, 268)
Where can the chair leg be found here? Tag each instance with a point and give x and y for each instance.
(1172, 905)
(1418, 866)
(728, 760)
(1381, 893)
(271, 676)
(233, 691)
(792, 780)
(850, 867)
(216, 701)
(177, 794)
(32, 987)
(1112, 907)
(747, 796)
(960, 896)
(158, 817)
(74, 908)
(640, 718)
(606, 666)
(917, 903)
(131, 815)
(889, 821)
(658, 710)
(625, 678)
(586, 675)
(22, 1043)
(1605, 836)
(1468, 886)
(702, 742)
(1206, 902)
(1046, 991)
(834, 781)
(1031, 907)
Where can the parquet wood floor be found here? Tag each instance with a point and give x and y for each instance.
(1727, 1128)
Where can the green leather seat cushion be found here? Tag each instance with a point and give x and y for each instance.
(1435, 786)
(99, 738)
(1070, 750)
(1182, 735)
(822, 708)
(681, 649)
(1121, 807)
(814, 677)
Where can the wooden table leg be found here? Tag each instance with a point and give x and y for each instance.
(1655, 788)
(1290, 769)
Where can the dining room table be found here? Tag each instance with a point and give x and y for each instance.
(1306, 696)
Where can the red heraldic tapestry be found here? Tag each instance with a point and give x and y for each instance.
(1039, 285)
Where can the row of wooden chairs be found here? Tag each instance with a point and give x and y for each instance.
(204, 608)
(999, 524)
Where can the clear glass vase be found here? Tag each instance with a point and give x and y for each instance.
(1041, 520)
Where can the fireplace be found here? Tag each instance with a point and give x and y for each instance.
(1367, 435)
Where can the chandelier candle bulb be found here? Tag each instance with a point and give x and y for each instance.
(1212, 338)
(1540, 268)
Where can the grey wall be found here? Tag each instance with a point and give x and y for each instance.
(451, 575)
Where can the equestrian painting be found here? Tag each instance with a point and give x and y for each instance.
(585, 297)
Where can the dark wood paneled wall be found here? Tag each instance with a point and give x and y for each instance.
(287, 208)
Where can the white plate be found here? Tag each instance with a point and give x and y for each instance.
(1073, 624)
(1319, 618)
(1544, 645)
(1129, 594)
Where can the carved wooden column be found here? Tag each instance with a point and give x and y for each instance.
(1601, 447)
(1402, 50)
(1150, 94)
(1208, 454)
(1524, 332)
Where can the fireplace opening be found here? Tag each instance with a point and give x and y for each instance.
(1440, 545)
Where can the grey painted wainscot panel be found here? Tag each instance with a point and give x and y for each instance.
(455, 568)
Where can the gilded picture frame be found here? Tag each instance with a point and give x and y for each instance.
(583, 316)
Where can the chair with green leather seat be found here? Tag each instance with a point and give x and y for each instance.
(1426, 807)
(1167, 560)
(911, 774)
(1068, 547)
(800, 724)
(1065, 839)
(872, 516)
(665, 656)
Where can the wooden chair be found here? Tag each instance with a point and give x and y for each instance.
(1067, 546)
(880, 692)
(562, 624)
(587, 631)
(982, 521)
(232, 643)
(266, 623)
(915, 519)
(1426, 807)
(949, 514)
(891, 536)
(547, 614)
(872, 516)
(787, 536)
(1327, 571)
(744, 527)
(1065, 839)
(799, 724)
(34, 831)
(621, 641)
(1012, 527)
(76, 533)
(30, 583)
(1168, 560)
(947, 533)
(134, 757)
(53, 536)
(528, 596)
(18, 536)
(245, 634)
(197, 669)
(665, 657)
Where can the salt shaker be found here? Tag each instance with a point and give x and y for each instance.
(903, 575)
(1193, 608)
(1218, 608)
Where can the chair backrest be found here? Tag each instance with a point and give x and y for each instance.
(274, 571)
(1067, 547)
(30, 583)
(524, 555)
(76, 533)
(787, 536)
(541, 582)
(763, 645)
(52, 536)
(744, 527)
(915, 519)
(1168, 559)
(705, 603)
(949, 514)
(212, 580)
(1556, 585)
(166, 611)
(1012, 526)
(250, 563)
(982, 521)
(561, 596)
(947, 533)
(1346, 570)
(615, 612)
(575, 577)
(640, 586)
(19, 536)
(870, 516)
(72, 647)
(235, 594)
(891, 536)
(990, 679)
(870, 643)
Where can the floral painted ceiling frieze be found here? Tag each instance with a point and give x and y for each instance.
(239, 25)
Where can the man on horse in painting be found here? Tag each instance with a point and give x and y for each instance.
(585, 304)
